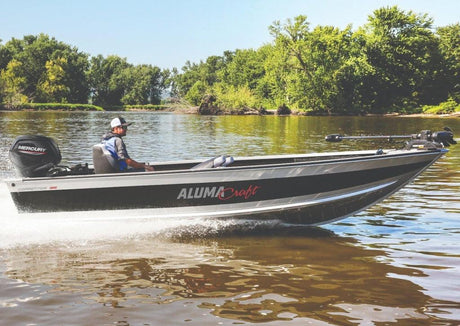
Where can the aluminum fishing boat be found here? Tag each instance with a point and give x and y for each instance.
(303, 188)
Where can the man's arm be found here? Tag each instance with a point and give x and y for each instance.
(123, 154)
(134, 164)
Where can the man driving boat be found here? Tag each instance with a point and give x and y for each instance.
(114, 143)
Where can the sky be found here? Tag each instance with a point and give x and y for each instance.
(168, 33)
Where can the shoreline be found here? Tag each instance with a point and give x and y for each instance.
(195, 110)
(424, 115)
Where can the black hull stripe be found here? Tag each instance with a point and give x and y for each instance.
(168, 196)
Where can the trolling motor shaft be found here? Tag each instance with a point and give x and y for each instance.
(335, 138)
(445, 137)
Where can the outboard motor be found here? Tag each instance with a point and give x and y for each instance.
(34, 156)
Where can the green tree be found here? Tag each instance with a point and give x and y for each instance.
(7, 51)
(243, 68)
(196, 92)
(231, 97)
(52, 88)
(143, 84)
(184, 81)
(404, 55)
(104, 80)
(311, 61)
(206, 73)
(33, 53)
(394, 62)
(210, 69)
(278, 67)
(449, 44)
(114, 82)
(75, 66)
(12, 86)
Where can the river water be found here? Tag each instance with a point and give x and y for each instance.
(397, 263)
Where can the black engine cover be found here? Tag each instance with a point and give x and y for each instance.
(34, 155)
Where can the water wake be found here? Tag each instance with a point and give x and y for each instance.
(79, 227)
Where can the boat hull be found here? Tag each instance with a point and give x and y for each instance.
(307, 191)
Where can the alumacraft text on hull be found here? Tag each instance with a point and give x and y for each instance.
(303, 188)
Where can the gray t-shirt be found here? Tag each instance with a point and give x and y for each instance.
(115, 144)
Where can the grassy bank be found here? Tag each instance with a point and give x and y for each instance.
(52, 107)
(448, 107)
(141, 107)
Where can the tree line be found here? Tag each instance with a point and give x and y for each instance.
(396, 62)
(40, 69)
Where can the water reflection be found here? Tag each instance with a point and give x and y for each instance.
(259, 275)
(397, 262)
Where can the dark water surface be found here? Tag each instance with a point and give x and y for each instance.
(398, 263)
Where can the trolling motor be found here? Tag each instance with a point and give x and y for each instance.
(425, 139)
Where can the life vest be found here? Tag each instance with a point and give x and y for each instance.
(109, 144)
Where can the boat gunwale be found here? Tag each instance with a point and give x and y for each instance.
(368, 155)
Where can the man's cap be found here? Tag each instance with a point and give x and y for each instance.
(119, 122)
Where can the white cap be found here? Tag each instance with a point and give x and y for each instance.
(119, 122)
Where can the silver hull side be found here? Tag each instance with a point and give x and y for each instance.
(296, 202)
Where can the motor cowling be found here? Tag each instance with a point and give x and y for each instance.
(34, 155)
